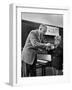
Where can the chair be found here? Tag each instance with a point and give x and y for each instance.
(43, 65)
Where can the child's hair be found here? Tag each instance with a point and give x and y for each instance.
(57, 40)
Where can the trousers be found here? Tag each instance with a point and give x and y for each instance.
(28, 70)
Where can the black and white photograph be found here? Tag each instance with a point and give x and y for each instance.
(41, 44)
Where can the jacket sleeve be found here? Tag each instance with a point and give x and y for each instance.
(35, 42)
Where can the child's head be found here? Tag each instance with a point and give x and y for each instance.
(57, 40)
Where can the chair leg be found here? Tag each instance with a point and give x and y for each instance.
(43, 71)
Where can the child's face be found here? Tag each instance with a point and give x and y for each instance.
(57, 40)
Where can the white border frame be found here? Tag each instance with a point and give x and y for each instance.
(15, 46)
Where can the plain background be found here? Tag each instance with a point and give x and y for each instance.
(4, 42)
(50, 19)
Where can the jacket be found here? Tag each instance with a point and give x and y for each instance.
(32, 43)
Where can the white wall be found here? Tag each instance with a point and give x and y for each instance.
(50, 19)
